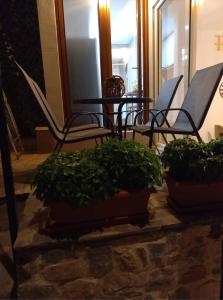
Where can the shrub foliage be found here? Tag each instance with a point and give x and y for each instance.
(188, 160)
(81, 177)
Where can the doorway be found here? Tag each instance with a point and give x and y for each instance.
(87, 58)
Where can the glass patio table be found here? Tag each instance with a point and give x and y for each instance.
(121, 101)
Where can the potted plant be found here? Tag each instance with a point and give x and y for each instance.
(194, 173)
(108, 184)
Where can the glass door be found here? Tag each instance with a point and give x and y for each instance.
(83, 54)
(174, 39)
(98, 39)
(173, 35)
(124, 44)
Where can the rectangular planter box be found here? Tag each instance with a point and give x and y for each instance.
(121, 208)
(187, 195)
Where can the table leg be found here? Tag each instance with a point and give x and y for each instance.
(120, 119)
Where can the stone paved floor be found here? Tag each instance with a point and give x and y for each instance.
(5, 279)
(22, 171)
(170, 258)
(191, 253)
(6, 282)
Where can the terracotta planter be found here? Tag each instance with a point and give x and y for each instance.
(187, 194)
(118, 209)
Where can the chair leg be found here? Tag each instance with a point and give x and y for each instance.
(57, 147)
(165, 140)
(157, 149)
(133, 134)
(173, 135)
(198, 136)
(125, 133)
(60, 146)
(151, 140)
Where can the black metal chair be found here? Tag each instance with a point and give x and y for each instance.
(68, 133)
(164, 101)
(195, 106)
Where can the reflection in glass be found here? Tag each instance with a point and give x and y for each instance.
(82, 42)
(174, 41)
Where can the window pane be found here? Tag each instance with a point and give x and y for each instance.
(82, 41)
(124, 44)
(174, 43)
(174, 30)
(168, 51)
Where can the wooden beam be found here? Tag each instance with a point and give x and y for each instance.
(145, 37)
(139, 46)
(105, 45)
(64, 72)
(145, 53)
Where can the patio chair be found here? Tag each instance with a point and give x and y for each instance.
(195, 106)
(68, 133)
(164, 100)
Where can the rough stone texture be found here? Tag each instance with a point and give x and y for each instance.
(37, 290)
(100, 261)
(84, 288)
(148, 270)
(6, 283)
(175, 265)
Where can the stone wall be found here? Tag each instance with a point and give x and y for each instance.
(161, 265)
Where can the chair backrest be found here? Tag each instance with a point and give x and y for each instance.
(48, 113)
(199, 96)
(166, 95)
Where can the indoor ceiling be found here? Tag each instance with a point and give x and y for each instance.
(123, 21)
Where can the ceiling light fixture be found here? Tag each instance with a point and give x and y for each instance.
(104, 3)
(197, 2)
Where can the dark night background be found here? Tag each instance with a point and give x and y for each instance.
(19, 32)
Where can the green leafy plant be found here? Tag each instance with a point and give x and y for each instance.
(72, 177)
(81, 177)
(216, 146)
(188, 160)
(131, 166)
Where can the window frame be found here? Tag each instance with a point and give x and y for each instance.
(157, 51)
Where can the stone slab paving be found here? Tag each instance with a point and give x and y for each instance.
(172, 257)
(23, 169)
(6, 283)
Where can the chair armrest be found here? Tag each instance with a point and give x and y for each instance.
(142, 111)
(173, 109)
(75, 116)
(93, 115)
(71, 118)
(107, 119)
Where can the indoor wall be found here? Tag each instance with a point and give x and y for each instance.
(209, 51)
(206, 50)
(50, 56)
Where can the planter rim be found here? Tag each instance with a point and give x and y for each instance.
(122, 206)
(121, 194)
(168, 177)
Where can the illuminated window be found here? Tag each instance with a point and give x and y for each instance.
(168, 51)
